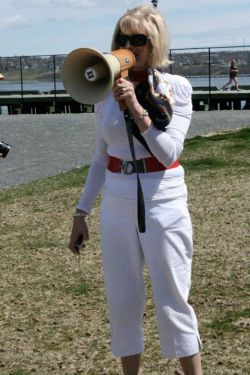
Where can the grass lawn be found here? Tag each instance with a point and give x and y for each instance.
(53, 318)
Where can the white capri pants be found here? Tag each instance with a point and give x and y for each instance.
(166, 249)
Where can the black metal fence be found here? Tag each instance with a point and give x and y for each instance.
(33, 74)
(206, 68)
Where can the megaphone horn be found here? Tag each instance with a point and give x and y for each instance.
(88, 75)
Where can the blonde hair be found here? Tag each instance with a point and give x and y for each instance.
(146, 19)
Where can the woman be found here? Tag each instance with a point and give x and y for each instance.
(233, 71)
(166, 245)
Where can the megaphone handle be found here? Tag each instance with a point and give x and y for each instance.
(122, 104)
(124, 74)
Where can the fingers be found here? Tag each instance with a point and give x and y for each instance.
(77, 244)
(123, 89)
(125, 94)
(79, 235)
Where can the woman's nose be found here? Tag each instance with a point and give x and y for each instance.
(128, 44)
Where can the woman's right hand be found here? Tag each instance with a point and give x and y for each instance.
(79, 230)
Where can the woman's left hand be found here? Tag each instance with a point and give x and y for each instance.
(124, 90)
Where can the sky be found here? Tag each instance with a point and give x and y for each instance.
(45, 27)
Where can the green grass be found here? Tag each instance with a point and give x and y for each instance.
(204, 163)
(231, 321)
(43, 187)
(234, 151)
(53, 316)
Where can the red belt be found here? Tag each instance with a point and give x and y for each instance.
(146, 165)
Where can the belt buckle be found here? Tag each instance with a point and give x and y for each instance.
(127, 167)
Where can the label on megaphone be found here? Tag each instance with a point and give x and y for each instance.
(95, 72)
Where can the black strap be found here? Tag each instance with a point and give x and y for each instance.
(136, 132)
(140, 198)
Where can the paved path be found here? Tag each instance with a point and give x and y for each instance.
(46, 145)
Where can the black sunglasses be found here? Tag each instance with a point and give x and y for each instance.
(136, 40)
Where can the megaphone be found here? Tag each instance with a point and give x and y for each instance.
(88, 75)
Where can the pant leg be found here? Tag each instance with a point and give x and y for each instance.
(167, 246)
(123, 275)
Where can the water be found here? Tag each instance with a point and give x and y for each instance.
(47, 86)
(217, 81)
(41, 86)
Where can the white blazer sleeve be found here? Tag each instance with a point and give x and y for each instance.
(96, 174)
(167, 146)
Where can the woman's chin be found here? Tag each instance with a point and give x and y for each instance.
(138, 68)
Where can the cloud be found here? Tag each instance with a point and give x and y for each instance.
(61, 25)
(14, 22)
(69, 4)
(57, 4)
(197, 5)
(79, 3)
(32, 4)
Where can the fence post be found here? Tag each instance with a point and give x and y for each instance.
(21, 76)
(54, 75)
(209, 79)
(170, 58)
